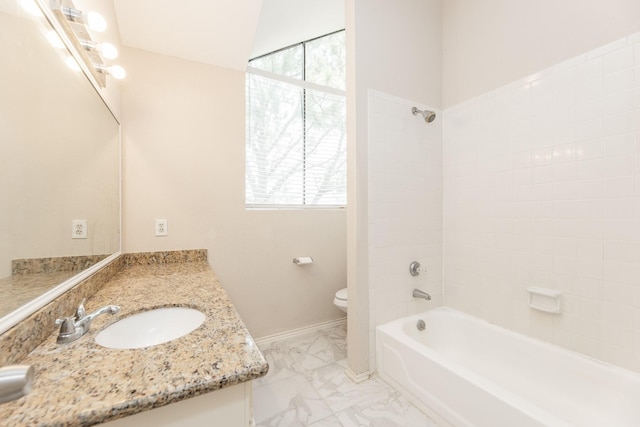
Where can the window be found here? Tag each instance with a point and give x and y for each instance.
(296, 131)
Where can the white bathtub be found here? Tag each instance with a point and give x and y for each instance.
(467, 372)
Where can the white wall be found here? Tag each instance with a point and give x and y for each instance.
(542, 188)
(184, 127)
(394, 48)
(490, 43)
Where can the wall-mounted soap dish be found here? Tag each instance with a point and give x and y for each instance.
(544, 299)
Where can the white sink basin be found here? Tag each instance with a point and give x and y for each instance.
(151, 327)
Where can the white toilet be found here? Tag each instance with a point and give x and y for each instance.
(340, 299)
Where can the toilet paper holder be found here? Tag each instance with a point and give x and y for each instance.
(302, 260)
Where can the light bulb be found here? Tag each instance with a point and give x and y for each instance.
(54, 39)
(108, 51)
(96, 21)
(117, 72)
(31, 7)
(72, 63)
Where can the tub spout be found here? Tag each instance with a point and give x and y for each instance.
(417, 293)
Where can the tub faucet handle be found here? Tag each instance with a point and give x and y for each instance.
(414, 268)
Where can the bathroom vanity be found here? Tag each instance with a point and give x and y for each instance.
(202, 376)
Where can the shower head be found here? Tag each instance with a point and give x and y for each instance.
(428, 115)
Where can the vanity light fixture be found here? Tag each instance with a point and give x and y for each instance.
(93, 20)
(92, 55)
(116, 71)
(107, 50)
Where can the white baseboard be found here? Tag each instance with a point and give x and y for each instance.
(357, 378)
(299, 331)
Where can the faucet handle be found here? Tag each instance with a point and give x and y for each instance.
(68, 325)
(81, 311)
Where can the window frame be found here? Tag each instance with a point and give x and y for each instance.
(304, 85)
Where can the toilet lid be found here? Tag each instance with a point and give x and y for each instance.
(342, 294)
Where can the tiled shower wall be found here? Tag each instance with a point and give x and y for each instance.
(405, 209)
(542, 188)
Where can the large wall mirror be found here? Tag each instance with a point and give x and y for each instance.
(59, 162)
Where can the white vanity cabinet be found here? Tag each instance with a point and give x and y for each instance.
(227, 407)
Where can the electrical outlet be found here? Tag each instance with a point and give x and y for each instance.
(79, 229)
(161, 227)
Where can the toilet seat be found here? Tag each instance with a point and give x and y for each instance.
(340, 299)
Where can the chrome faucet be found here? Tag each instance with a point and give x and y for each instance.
(72, 328)
(417, 293)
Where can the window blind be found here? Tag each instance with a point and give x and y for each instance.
(296, 142)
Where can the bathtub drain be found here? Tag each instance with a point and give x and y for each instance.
(420, 325)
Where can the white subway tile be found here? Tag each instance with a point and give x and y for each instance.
(590, 209)
(619, 81)
(564, 153)
(565, 247)
(590, 70)
(542, 227)
(589, 129)
(619, 60)
(610, 47)
(564, 171)
(589, 149)
(620, 144)
(565, 190)
(617, 251)
(589, 249)
(542, 174)
(619, 166)
(565, 209)
(564, 133)
(564, 227)
(589, 110)
(590, 189)
(542, 192)
(590, 169)
(619, 102)
(570, 63)
(618, 229)
(619, 209)
(521, 193)
(589, 346)
(618, 123)
(620, 187)
(589, 229)
(522, 176)
(590, 90)
(542, 156)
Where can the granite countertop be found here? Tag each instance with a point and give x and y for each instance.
(82, 383)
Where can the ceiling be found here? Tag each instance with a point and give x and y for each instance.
(222, 32)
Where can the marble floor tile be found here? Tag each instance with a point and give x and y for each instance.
(394, 412)
(306, 386)
(330, 421)
(291, 401)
